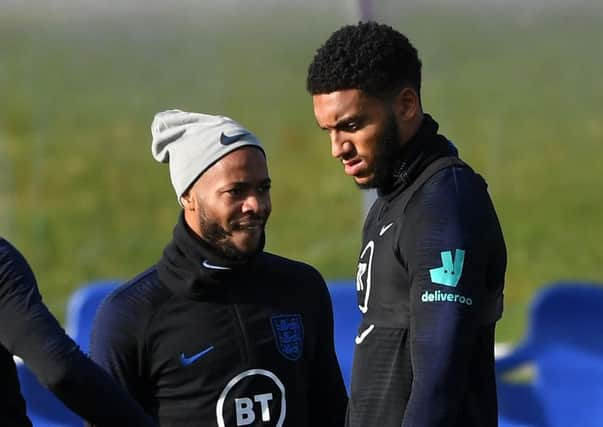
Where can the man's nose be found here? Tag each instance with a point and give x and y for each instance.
(256, 203)
(337, 143)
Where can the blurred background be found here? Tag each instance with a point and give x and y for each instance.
(517, 85)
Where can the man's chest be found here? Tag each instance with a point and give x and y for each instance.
(382, 280)
(199, 349)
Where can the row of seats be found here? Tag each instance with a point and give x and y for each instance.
(553, 378)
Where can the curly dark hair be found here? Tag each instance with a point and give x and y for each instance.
(368, 56)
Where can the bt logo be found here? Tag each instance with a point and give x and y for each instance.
(237, 405)
(244, 407)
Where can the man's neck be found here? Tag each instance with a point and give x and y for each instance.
(412, 127)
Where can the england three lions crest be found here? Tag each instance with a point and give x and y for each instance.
(289, 334)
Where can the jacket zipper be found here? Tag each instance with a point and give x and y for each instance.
(243, 331)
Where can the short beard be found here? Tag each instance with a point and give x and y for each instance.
(217, 238)
(387, 156)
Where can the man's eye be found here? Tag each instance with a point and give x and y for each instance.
(351, 127)
(235, 191)
(265, 188)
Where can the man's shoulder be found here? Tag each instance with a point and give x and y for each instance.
(454, 185)
(289, 267)
(141, 294)
(15, 273)
(122, 320)
(10, 254)
(6, 247)
(296, 279)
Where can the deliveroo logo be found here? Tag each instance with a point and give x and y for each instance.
(449, 273)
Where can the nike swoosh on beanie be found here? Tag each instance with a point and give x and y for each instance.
(192, 142)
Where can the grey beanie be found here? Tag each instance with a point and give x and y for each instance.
(193, 142)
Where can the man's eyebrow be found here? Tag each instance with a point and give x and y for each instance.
(246, 183)
(342, 123)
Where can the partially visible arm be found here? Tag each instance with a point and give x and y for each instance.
(442, 339)
(114, 345)
(30, 331)
(328, 396)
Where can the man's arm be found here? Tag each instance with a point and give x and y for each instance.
(115, 344)
(447, 261)
(328, 396)
(442, 339)
(30, 331)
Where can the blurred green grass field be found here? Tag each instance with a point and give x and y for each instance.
(519, 91)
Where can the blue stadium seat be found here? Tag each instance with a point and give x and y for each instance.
(43, 408)
(347, 318)
(564, 349)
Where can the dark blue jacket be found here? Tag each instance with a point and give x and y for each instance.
(200, 341)
(430, 281)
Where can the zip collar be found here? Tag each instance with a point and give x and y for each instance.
(190, 267)
(422, 149)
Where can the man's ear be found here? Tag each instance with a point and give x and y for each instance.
(187, 200)
(407, 104)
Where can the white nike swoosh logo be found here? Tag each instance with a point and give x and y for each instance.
(385, 228)
(364, 334)
(206, 264)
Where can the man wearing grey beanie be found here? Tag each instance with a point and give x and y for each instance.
(220, 332)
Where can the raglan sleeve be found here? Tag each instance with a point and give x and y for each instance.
(30, 331)
(443, 246)
(327, 394)
(116, 342)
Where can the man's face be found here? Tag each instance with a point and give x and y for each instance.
(229, 204)
(363, 131)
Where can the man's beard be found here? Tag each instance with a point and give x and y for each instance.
(217, 237)
(388, 152)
